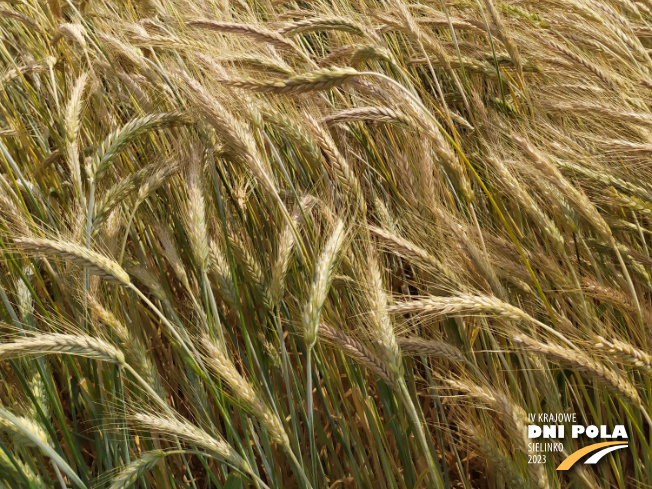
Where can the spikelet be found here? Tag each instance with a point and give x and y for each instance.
(581, 362)
(513, 416)
(504, 36)
(461, 305)
(257, 32)
(27, 424)
(13, 73)
(321, 282)
(314, 24)
(414, 345)
(253, 270)
(613, 296)
(381, 323)
(501, 464)
(577, 196)
(161, 173)
(439, 19)
(632, 202)
(115, 142)
(66, 344)
(20, 17)
(190, 433)
(96, 263)
(37, 386)
(122, 53)
(232, 130)
(10, 214)
(284, 248)
(24, 295)
(244, 391)
(524, 198)
(116, 195)
(132, 345)
(256, 62)
(22, 469)
(306, 82)
(365, 53)
(356, 350)
(597, 71)
(72, 124)
(625, 353)
(195, 214)
(153, 40)
(407, 249)
(130, 474)
(222, 273)
(343, 172)
(171, 252)
(372, 114)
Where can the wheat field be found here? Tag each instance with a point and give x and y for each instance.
(328, 244)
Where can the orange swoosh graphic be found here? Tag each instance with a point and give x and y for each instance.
(574, 457)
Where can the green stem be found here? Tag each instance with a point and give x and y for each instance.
(299, 467)
(404, 394)
(89, 228)
(310, 413)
